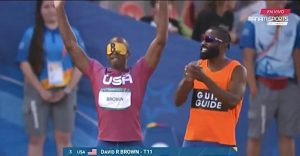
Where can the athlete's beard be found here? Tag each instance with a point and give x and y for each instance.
(211, 53)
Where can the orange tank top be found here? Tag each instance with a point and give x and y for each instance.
(209, 120)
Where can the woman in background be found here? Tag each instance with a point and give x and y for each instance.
(50, 81)
(215, 14)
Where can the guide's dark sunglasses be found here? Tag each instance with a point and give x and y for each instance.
(210, 39)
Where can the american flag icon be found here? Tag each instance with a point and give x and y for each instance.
(93, 152)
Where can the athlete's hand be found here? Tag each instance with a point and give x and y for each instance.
(188, 77)
(194, 71)
(58, 3)
(189, 71)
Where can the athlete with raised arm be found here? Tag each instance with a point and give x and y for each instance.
(118, 90)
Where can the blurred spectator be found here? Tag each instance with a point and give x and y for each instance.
(131, 9)
(242, 15)
(198, 7)
(50, 81)
(105, 4)
(252, 7)
(294, 5)
(111, 5)
(272, 59)
(174, 25)
(188, 12)
(215, 13)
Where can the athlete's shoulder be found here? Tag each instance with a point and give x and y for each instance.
(235, 62)
(236, 65)
(238, 68)
(202, 62)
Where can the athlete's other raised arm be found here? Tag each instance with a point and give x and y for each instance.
(78, 55)
(156, 47)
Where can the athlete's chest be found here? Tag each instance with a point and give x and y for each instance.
(117, 91)
(107, 78)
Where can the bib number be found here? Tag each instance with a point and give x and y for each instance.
(114, 98)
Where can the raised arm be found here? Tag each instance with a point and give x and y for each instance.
(78, 56)
(155, 49)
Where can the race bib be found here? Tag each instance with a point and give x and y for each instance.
(55, 73)
(114, 98)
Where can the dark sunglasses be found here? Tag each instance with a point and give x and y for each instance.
(210, 39)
